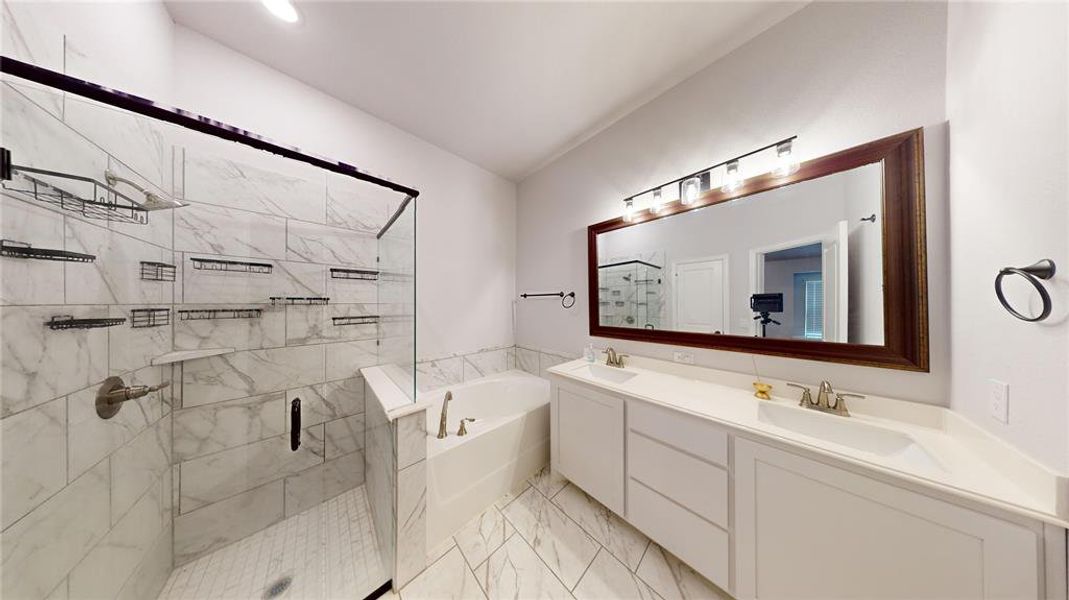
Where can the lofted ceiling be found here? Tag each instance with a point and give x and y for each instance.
(509, 86)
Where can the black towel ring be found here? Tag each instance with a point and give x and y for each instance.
(1043, 269)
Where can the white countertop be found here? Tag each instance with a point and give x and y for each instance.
(949, 453)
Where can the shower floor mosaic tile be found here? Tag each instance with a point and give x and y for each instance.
(549, 540)
(324, 553)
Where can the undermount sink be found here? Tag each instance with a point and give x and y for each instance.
(604, 373)
(845, 432)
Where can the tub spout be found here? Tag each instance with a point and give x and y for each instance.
(445, 412)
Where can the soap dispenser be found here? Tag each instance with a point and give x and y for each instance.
(589, 353)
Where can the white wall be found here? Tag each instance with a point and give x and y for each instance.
(837, 75)
(1008, 105)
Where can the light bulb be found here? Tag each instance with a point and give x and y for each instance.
(786, 163)
(732, 179)
(629, 210)
(691, 191)
(657, 204)
(283, 9)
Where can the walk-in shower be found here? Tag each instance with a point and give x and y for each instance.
(184, 320)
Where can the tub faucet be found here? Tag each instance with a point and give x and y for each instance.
(464, 425)
(445, 413)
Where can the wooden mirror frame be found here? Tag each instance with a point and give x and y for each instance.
(905, 280)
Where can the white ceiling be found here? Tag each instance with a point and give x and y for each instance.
(509, 86)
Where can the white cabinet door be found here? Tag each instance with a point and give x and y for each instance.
(808, 530)
(588, 431)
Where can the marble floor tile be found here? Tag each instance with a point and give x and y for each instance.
(433, 554)
(557, 540)
(609, 578)
(548, 481)
(482, 535)
(447, 579)
(618, 536)
(515, 571)
(507, 499)
(673, 579)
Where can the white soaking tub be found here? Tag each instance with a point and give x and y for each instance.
(507, 442)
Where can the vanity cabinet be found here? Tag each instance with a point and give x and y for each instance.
(805, 529)
(678, 486)
(588, 442)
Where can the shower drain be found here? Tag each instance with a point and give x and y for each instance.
(278, 588)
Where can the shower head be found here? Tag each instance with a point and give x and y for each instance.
(153, 201)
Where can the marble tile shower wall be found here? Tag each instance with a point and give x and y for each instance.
(86, 503)
(95, 508)
(235, 471)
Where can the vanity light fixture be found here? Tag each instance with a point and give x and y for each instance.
(786, 161)
(732, 178)
(691, 189)
(657, 204)
(283, 9)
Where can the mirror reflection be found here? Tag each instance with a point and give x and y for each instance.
(801, 262)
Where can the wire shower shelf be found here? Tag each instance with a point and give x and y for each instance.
(220, 313)
(104, 202)
(69, 322)
(365, 274)
(24, 250)
(356, 320)
(236, 266)
(150, 317)
(293, 300)
(157, 271)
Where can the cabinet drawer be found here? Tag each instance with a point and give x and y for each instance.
(686, 432)
(694, 483)
(697, 542)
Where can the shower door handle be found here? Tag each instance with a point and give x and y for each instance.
(295, 424)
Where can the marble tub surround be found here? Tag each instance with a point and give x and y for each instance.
(397, 474)
(563, 545)
(537, 362)
(458, 368)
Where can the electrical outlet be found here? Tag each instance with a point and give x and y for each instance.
(683, 357)
(999, 396)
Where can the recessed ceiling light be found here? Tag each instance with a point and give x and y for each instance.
(283, 9)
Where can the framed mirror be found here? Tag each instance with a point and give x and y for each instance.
(825, 263)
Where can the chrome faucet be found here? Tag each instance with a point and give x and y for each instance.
(445, 413)
(824, 401)
(612, 359)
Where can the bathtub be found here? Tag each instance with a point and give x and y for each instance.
(507, 442)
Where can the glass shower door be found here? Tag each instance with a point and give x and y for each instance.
(252, 290)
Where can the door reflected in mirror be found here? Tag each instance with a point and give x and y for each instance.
(799, 262)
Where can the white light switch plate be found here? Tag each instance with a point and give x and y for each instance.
(999, 397)
(683, 357)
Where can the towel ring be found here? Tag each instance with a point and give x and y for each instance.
(1043, 269)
